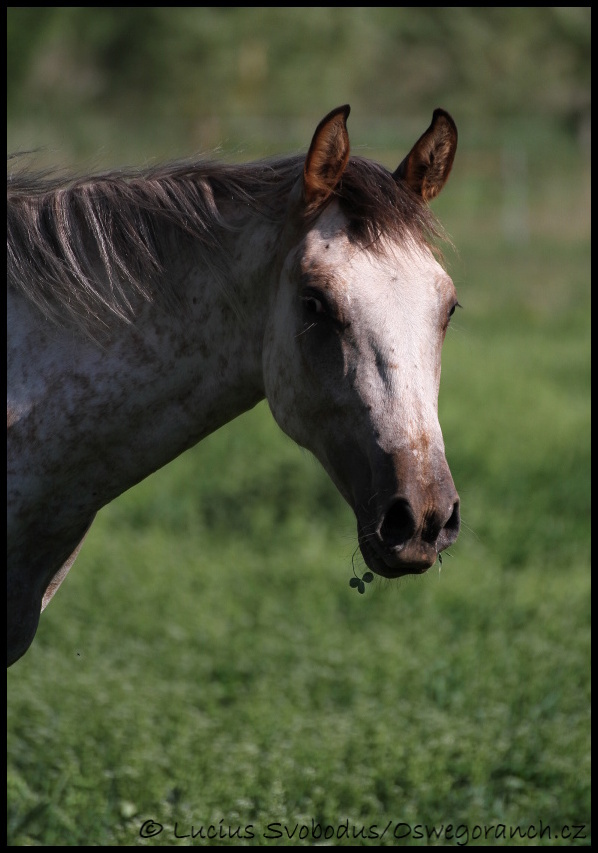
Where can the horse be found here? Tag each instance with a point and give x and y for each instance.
(147, 308)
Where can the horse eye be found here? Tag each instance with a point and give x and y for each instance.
(314, 305)
(452, 311)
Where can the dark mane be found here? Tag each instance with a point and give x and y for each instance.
(86, 249)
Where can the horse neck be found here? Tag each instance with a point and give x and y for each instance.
(121, 411)
(202, 364)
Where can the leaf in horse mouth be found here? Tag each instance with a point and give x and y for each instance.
(359, 583)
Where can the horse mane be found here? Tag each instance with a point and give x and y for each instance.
(86, 249)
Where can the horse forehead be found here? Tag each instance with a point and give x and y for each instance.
(330, 254)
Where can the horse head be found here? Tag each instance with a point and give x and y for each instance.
(353, 343)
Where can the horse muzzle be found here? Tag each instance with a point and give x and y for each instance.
(403, 541)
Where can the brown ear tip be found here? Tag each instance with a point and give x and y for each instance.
(440, 114)
(339, 111)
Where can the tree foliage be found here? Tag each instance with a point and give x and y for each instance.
(183, 64)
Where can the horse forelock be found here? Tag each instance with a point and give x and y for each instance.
(86, 249)
(377, 205)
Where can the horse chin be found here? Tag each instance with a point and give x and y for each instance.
(412, 559)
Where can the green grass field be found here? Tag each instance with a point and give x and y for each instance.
(206, 669)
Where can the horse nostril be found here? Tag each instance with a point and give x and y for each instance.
(398, 526)
(450, 530)
(436, 526)
(454, 522)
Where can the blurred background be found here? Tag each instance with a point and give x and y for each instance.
(206, 661)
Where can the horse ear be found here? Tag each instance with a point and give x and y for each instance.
(327, 157)
(427, 166)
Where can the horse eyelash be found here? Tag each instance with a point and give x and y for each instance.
(303, 331)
